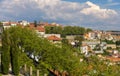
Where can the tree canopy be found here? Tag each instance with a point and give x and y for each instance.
(66, 30)
(20, 43)
(25, 41)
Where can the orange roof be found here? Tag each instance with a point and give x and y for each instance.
(53, 37)
(50, 25)
(84, 45)
(113, 59)
(6, 23)
(43, 24)
(31, 26)
(13, 22)
(40, 29)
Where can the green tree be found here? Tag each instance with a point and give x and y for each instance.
(88, 30)
(35, 23)
(14, 58)
(65, 41)
(5, 55)
(53, 29)
(117, 42)
(58, 58)
(109, 41)
(79, 39)
(22, 42)
(14, 40)
(73, 30)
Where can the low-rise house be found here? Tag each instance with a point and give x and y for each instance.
(23, 22)
(112, 46)
(73, 43)
(40, 30)
(13, 23)
(54, 39)
(84, 49)
(113, 59)
(90, 36)
(54, 24)
(43, 24)
(116, 37)
(93, 35)
(115, 51)
(71, 38)
(103, 45)
(99, 52)
(47, 35)
(91, 43)
(9, 24)
(31, 26)
(6, 25)
(115, 33)
(109, 51)
(107, 36)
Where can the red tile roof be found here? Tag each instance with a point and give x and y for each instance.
(54, 38)
(113, 59)
(13, 22)
(32, 26)
(40, 29)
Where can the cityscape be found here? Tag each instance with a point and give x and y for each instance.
(59, 38)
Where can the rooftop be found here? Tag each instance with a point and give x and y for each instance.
(53, 37)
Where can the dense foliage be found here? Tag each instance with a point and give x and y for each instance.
(12, 39)
(53, 29)
(118, 42)
(23, 42)
(109, 41)
(5, 52)
(50, 55)
(66, 30)
(73, 30)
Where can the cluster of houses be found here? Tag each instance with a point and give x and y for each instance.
(40, 29)
(93, 41)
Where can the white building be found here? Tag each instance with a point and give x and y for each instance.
(91, 43)
(84, 49)
(24, 23)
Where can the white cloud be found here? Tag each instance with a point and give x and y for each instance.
(96, 11)
(56, 10)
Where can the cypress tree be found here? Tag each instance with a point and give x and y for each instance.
(14, 56)
(35, 23)
(5, 55)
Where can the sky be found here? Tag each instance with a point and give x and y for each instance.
(95, 14)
